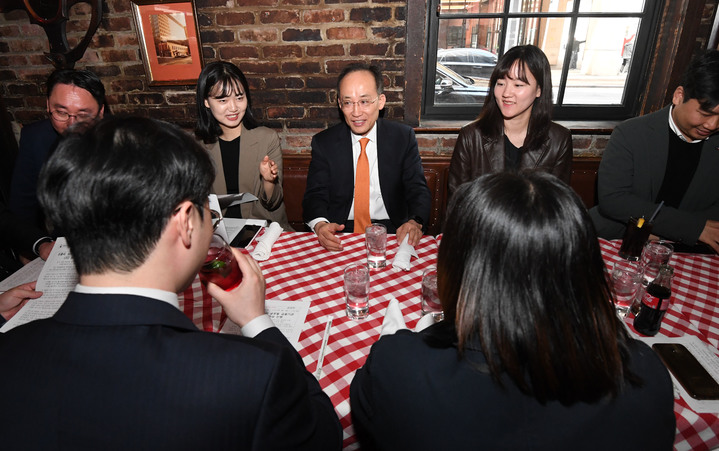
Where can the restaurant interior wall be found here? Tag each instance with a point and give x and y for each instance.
(291, 51)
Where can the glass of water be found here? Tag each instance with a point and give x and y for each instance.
(376, 240)
(356, 282)
(430, 294)
(626, 278)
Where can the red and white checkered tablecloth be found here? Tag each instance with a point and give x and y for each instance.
(300, 269)
(694, 310)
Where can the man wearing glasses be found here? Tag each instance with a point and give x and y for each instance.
(365, 169)
(119, 365)
(72, 96)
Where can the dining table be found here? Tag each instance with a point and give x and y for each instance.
(299, 269)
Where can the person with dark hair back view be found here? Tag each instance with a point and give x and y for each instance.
(73, 96)
(247, 156)
(119, 366)
(514, 131)
(669, 157)
(531, 354)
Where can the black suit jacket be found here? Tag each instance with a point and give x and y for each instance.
(127, 372)
(17, 234)
(36, 142)
(330, 180)
(414, 393)
(632, 171)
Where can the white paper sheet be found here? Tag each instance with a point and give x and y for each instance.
(57, 278)
(58, 274)
(27, 273)
(43, 307)
(288, 316)
(708, 359)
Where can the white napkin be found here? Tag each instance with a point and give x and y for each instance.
(425, 321)
(404, 255)
(394, 321)
(263, 248)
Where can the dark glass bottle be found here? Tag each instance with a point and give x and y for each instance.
(654, 303)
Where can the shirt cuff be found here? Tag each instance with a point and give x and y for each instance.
(316, 221)
(36, 246)
(257, 325)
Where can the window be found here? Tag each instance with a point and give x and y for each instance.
(598, 51)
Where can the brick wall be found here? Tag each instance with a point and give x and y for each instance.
(290, 50)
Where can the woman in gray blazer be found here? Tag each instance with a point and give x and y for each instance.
(247, 157)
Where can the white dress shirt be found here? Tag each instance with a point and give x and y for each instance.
(675, 129)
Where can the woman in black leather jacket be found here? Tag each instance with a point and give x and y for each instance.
(514, 131)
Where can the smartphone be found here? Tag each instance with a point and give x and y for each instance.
(695, 379)
(245, 235)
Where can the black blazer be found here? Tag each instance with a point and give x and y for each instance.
(414, 393)
(330, 180)
(127, 372)
(632, 171)
(36, 142)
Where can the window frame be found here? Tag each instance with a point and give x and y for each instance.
(650, 21)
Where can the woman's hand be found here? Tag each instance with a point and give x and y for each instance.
(268, 170)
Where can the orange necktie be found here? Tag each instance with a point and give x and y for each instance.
(362, 218)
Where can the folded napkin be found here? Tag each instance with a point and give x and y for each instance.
(404, 255)
(394, 321)
(263, 248)
(425, 321)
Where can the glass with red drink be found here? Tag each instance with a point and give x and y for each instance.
(220, 265)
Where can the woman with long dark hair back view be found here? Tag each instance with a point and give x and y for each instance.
(247, 157)
(514, 130)
(531, 354)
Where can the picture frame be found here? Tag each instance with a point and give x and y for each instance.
(169, 41)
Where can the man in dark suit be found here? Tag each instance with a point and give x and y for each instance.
(119, 366)
(19, 239)
(72, 96)
(398, 193)
(668, 156)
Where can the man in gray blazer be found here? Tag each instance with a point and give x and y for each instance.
(119, 366)
(669, 156)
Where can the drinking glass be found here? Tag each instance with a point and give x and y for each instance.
(430, 295)
(376, 241)
(635, 235)
(654, 254)
(626, 277)
(356, 282)
(220, 265)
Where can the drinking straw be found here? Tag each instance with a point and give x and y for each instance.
(656, 212)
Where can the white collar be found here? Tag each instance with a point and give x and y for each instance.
(372, 135)
(160, 295)
(675, 129)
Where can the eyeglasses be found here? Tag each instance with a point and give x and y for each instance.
(363, 104)
(216, 219)
(62, 116)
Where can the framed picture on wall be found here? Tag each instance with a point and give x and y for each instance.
(169, 41)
